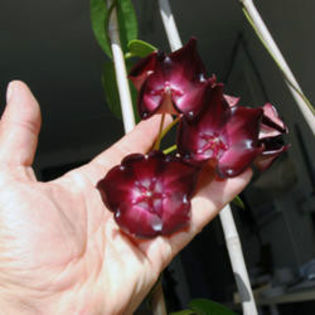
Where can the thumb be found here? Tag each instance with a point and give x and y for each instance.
(19, 126)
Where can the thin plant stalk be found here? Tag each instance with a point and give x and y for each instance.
(159, 138)
(229, 228)
(304, 105)
(158, 300)
(159, 307)
(120, 70)
(234, 247)
(170, 25)
(170, 149)
(169, 127)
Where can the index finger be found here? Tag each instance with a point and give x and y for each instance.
(139, 140)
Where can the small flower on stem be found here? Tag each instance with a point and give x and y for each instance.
(224, 136)
(150, 194)
(173, 83)
(271, 125)
(270, 136)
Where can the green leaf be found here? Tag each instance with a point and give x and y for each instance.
(127, 19)
(208, 307)
(184, 312)
(239, 202)
(111, 90)
(133, 91)
(140, 48)
(99, 18)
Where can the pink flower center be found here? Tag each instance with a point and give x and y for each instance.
(149, 195)
(211, 145)
(168, 89)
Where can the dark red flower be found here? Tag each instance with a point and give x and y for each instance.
(226, 136)
(271, 125)
(270, 136)
(150, 194)
(171, 83)
(140, 72)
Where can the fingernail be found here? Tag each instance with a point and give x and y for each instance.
(10, 91)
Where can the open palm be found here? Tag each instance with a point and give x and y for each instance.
(61, 250)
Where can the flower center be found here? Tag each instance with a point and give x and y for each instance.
(211, 146)
(150, 195)
(168, 89)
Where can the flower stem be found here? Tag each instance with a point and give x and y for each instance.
(158, 300)
(170, 149)
(163, 132)
(120, 70)
(169, 127)
(255, 20)
(159, 138)
(110, 11)
(170, 25)
(297, 90)
(238, 262)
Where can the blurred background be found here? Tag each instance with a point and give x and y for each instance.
(50, 46)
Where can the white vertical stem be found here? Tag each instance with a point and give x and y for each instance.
(170, 25)
(229, 228)
(237, 260)
(159, 307)
(158, 301)
(121, 72)
(271, 45)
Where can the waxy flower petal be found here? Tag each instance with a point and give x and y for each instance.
(271, 125)
(273, 147)
(272, 129)
(204, 138)
(231, 100)
(242, 133)
(140, 72)
(221, 134)
(172, 83)
(150, 194)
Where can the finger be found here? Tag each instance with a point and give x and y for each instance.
(205, 206)
(139, 140)
(211, 199)
(19, 126)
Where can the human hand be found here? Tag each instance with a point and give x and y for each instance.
(61, 251)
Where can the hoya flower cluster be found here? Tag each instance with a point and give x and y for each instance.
(150, 194)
